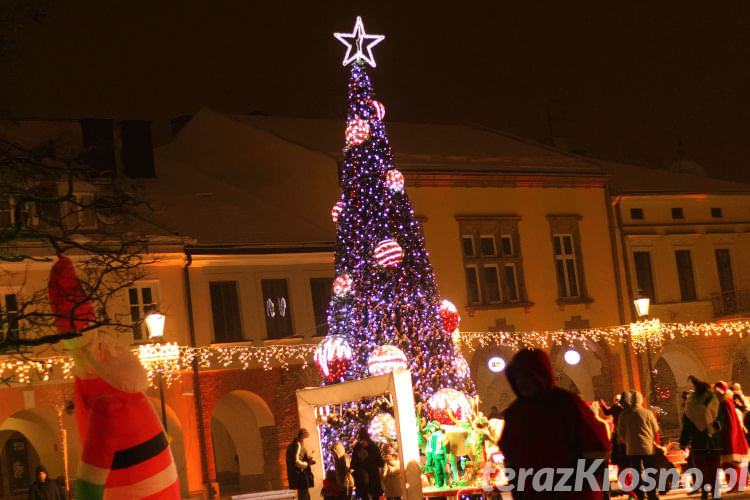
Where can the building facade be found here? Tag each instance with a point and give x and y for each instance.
(522, 238)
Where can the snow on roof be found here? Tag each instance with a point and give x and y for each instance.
(421, 146)
(631, 179)
(254, 180)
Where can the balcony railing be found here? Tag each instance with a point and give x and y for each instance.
(731, 302)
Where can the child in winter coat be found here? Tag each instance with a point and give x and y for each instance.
(331, 490)
(392, 474)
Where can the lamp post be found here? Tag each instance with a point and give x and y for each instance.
(642, 304)
(155, 324)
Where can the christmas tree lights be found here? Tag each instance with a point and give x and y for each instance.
(389, 307)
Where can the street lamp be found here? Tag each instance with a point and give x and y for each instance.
(642, 304)
(155, 325)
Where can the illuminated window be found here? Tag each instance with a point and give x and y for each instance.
(277, 308)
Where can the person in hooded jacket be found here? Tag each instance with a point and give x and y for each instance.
(699, 431)
(548, 427)
(43, 488)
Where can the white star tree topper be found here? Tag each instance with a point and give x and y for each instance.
(361, 42)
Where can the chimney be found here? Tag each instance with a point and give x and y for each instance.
(137, 149)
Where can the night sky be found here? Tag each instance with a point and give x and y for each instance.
(626, 81)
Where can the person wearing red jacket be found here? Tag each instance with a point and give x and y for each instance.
(548, 427)
(735, 449)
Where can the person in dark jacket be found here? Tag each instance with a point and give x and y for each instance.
(43, 488)
(699, 432)
(547, 426)
(365, 464)
(298, 463)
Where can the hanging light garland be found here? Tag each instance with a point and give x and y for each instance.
(643, 334)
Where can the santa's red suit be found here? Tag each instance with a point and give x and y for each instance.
(125, 450)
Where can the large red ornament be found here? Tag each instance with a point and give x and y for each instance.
(449, 316)
(385, 359)
(389, 253)
(342, 285)
(446, 401)
(394, 180)
(357, 132)
(336, 211)
(379, 109)
(333, 357)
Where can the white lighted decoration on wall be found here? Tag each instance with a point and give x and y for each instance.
(270, 308)
(572, 357)
(282, 306)
(496, 364)
(360, 42)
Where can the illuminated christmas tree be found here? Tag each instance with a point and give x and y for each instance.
(386, 308)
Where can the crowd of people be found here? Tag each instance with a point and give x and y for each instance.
(713, 433)
(372, 471)
(547, 427)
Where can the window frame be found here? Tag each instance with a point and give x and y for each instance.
(568, 225)
(4, 330)
(140, 323)
(683, 278)
(321, 330)
(241, 330)
(31, 214)
(503, 232)
(283, 302)
(566, 259)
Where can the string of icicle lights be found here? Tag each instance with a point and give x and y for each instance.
(641, 334)
(653, 333)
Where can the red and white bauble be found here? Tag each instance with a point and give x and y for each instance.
(385, 359)
(394, 180)
(449, 316)
(389, 253)
(382, 428)
(379, 109)
(336, 211)
(342, 285)
(333, 357)
(446, 401)
(461, 367)
(357, 132)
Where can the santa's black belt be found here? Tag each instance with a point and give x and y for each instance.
(140, 452)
